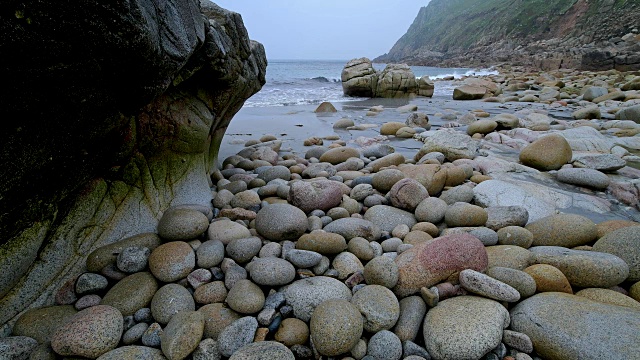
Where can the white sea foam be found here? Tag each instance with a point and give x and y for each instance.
(475, 72)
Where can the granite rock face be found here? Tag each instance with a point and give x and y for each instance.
(122, 111)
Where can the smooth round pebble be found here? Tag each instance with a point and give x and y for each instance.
(385, 345)
(379, 307)
(89, 333)
(245, 297)
(263, 350)
(272, 271)
(170, 300)
(335, 327)
(381, 271)
(182, 224)
(172, 261)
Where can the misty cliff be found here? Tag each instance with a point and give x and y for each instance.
(546, 34)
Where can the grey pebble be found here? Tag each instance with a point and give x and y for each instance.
(133, 259)
(238, 334)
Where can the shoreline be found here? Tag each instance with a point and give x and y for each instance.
(294, 124)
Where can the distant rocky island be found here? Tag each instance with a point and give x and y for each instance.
(547, 35)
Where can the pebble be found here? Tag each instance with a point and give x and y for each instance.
(133, 259)
(305, 294)
(245, 297)
(210, 293)
(170, 300)
(517, 279)
(182, 224)
(509, 256)
(89, 333)
(412, 311)
(263, 350)
(515, 235)
(464, 214)
(563, 326)
(464, 327)
(207, 350)
(303, 258)
(172, 261)
(361, 249)
(319, 194)
(625, 244)
(227, 230)
(431, 262)
(292, 331)
(346, 264)
(584, 177)
(133, 352)
(487, 286)
(335, 327)
(566, 230)
(132, 293)
(143, 315)
(151, 337)
(431, 209)
(182, 335)
(549, 152)
(385, 345)
(210, 253)
(281, 222)
(17, 347)
(87, 301)
(272, 271)
(378, 306)
(236, 335)
(549, 278)
(608, 296)
(584, 268)
(502, 216)
(243, 250)
(388, 217)
(407, 194)
(353, 227)
(322, 242)
(134, 334)
(382, 271)
(217, 317)
(89, 283)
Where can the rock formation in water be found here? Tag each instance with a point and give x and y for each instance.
(580, 34)
(359, 78)
(111, 112)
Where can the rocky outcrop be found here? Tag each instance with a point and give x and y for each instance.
(112, 113)
(580, 34)
(360, 79)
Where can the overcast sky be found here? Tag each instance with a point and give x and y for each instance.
(325, 29)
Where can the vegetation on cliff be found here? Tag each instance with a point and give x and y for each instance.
(450, 28)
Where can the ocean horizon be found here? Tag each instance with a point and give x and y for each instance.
(292, 82)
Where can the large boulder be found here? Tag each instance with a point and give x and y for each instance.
(122, 112)
(396, 80)
(429, 263)
(564, 326)
(547, 153)
(360, 79)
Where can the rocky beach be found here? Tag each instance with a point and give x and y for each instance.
(504, 227)
(478, 217)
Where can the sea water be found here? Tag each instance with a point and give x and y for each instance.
(305, 82)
